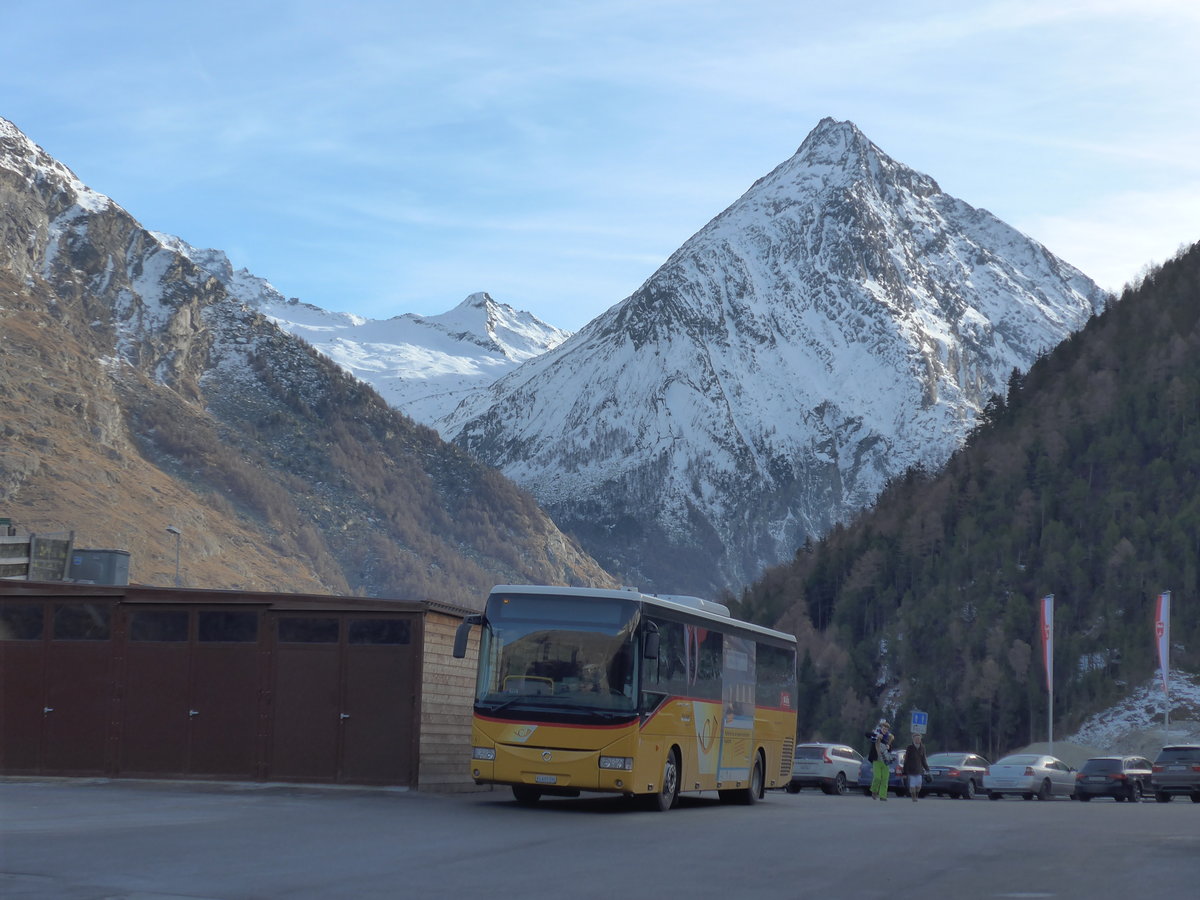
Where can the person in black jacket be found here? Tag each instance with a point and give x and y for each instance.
(880, 758)
(916, 767)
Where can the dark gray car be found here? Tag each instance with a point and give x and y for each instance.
(1177, 771)
(1119, 777)
(956, 774)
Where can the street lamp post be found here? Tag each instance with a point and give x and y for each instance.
(171, 529)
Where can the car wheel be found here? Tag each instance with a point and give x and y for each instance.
(992, 795)
(1162, 797)
(668, 794)
(1027, 796)
(866, 792)
(839, 783)
(1044, 791)
(1196, 798)
(1135, 792)
(1083, 798)
(793, 788)
(970, 793)
(526, 795)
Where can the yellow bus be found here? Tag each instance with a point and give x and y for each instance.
(585, 689)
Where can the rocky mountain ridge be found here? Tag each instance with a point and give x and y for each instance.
(135, 391)
(422, 365)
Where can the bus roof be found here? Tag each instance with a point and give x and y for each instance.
(704, 609)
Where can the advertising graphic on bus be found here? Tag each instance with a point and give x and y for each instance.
(615, 691)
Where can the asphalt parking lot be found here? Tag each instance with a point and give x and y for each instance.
(86, 839)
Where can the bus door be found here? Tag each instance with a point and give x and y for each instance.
(737, 720)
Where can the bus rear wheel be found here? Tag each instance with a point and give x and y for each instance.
(668, 792)
(747, 795)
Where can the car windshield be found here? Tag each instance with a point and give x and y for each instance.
(945, 759)
(1102, 765)
(559, 651)
(1023, 760)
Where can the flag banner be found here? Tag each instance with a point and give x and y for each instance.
(1162, 634)
(1048, 640)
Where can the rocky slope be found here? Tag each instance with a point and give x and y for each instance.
(136, 392)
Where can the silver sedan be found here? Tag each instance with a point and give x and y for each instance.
(1030, 775)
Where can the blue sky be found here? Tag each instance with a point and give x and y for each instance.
(391, 157)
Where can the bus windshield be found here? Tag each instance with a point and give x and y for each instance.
(559, 651)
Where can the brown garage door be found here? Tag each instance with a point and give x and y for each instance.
(228, 676)
(77, 689)
(23, 636)
(192, 690)
(344, 699)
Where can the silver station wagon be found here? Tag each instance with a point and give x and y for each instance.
(831, 767)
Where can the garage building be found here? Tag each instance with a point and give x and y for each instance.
(148, 682)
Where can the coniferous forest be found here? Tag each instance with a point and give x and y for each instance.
(1083, 482)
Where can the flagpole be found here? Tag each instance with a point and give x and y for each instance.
(1048, 659)
(1162, 634)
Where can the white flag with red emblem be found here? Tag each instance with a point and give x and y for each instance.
(1048, 640)
(1162, 634)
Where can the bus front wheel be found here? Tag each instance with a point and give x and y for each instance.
(526, 795)
(668, 792)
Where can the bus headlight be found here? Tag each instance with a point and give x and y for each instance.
(483, 753)
(624, 763)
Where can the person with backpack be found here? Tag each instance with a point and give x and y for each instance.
(880, 757)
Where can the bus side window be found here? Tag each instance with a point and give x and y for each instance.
(668, 673)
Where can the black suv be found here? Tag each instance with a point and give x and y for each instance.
(1119, 777)
(1177, 771)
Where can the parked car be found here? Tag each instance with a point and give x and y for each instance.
(1030, 775)
(1177, 771)
(897, 783)
(831, 767)
(956, 774)
(1119, 777)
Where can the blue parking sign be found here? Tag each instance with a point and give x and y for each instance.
(920, 721)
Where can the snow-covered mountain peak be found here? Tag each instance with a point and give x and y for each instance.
(422, 365)
(515, 334)
(842, 320)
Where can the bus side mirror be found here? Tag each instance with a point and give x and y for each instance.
(463, 633)
(650, 647)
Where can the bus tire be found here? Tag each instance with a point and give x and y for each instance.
(526, 795)
(747, 795)
(754, 793)
(668, 793)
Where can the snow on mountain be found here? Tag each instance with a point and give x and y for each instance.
(421, 365)
(842, 321)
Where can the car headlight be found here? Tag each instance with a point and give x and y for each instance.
(625, 763)
(483, 753)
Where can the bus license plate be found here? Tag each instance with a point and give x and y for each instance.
(546, 779)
